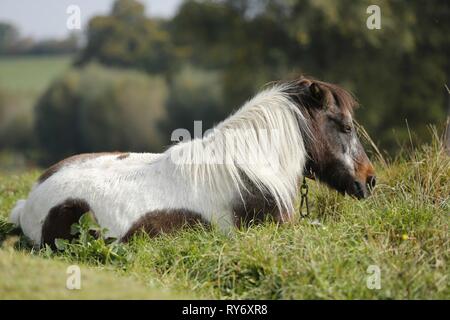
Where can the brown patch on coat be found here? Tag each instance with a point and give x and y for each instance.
(157, 222)
(71, 160)
(255, 208)
(59, 220)
(123, 156)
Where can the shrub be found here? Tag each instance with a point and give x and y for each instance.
(100, 109)
(15, 123)
(195, 94)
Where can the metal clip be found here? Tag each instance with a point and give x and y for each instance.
(304, 198)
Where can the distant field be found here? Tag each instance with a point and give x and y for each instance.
(28, 76)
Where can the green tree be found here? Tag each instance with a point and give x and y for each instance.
(127, 38)
(398, 73)
(8, 37)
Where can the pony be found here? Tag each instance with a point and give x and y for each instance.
(244, 170)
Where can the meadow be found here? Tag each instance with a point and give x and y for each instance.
(30, 75)
(402, 230)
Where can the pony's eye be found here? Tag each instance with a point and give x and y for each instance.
(347, 128)
(342, 125)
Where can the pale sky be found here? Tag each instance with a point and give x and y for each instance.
(47, 18)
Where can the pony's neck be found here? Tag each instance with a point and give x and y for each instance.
(262, 144)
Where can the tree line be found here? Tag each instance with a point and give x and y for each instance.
(214, 55)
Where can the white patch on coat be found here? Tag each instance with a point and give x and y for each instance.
(352, 150)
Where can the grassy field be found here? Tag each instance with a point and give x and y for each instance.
(30, 75)
(402, 229)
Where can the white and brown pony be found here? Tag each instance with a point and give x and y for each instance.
(247, 168)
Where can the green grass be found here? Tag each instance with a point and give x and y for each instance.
(32, 277)
(402, 228)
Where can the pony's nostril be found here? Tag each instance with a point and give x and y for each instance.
(371, 181)
(359, 190)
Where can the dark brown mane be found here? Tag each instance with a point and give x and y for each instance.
(343, 98)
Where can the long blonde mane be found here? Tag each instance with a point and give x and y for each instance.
(262, 144)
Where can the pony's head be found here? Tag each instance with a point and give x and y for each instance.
(335, 154)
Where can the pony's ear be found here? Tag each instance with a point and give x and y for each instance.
(316, 91)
